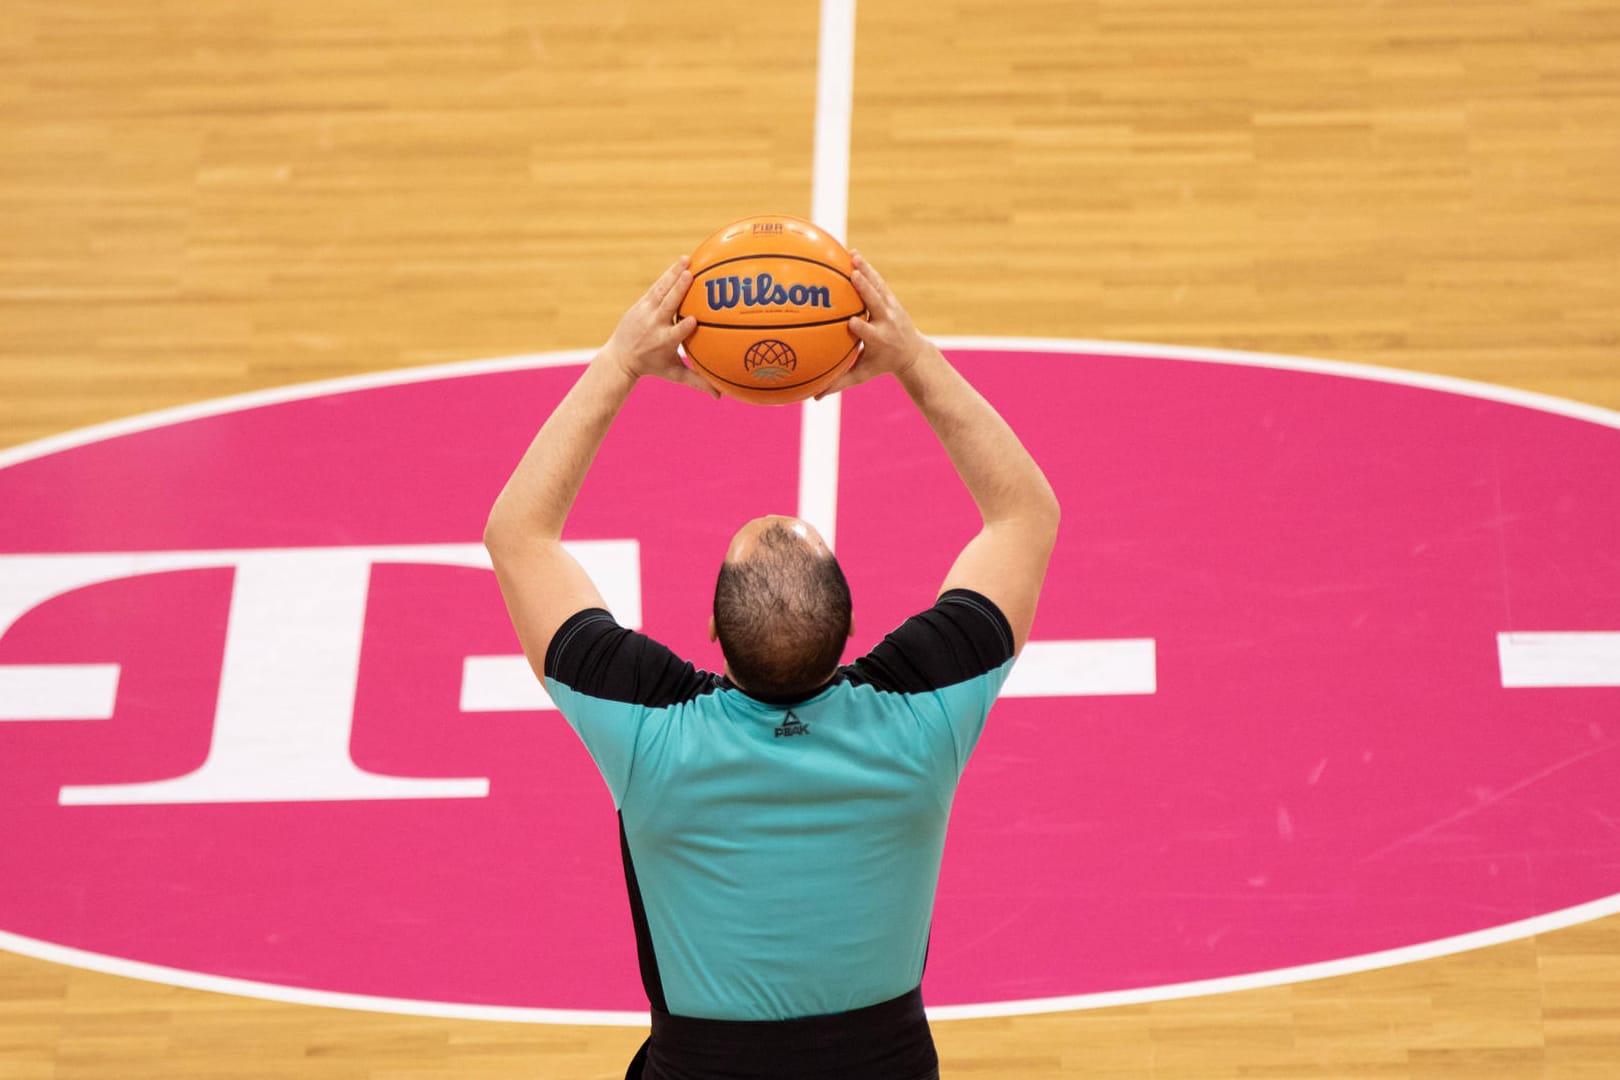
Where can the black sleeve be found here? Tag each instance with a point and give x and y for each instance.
(964, 635)
(592, 654)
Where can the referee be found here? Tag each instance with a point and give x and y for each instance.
(781, 824)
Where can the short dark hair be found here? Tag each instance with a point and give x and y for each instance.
(782, 615)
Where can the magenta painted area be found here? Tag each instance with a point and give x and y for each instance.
(513, 899)
(1329, 767)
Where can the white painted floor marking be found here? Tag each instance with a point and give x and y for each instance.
(1587, 658)
(58, 691)
(1084, 669)
(1046, 669)
(501, 684)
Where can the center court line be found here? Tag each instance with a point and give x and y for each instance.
(505, 683)
(829, 208)
(1048, 668)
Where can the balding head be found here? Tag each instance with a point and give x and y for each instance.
(781, 608)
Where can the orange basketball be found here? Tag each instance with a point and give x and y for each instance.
(773, 299)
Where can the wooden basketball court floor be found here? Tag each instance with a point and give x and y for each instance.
(216, 196)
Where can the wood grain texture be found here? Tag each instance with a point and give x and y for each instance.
(215, 196)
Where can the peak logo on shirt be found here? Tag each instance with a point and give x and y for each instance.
(792, 726)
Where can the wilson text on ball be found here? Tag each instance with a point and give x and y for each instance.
(763, 290)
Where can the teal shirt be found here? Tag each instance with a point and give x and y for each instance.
(782, 858)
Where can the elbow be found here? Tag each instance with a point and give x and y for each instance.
(1050, 525)
(498, 530)
(1048, 512)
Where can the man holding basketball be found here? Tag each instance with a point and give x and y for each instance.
(782, 824)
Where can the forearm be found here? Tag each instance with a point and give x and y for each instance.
(537, 497)
(1005, 482)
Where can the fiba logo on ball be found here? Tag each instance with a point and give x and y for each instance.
(769, 360)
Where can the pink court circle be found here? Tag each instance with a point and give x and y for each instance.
(1323, 678)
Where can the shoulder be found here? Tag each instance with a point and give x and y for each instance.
(962, 637)
(593, 655)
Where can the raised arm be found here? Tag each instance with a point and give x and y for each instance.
(542, 583)
(1007, 560)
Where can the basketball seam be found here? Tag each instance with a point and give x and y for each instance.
(783, 326)
(770, 255)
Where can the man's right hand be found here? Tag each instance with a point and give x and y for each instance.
(647, 339)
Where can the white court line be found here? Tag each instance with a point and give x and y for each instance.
(1345, 369)
(326, 999)
(1072, 347)
(829, 208)
(818, 466)
(1350, 965)
(835, 98)
(1590, 658)
(1429, 950)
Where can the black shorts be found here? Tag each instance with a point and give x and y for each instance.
(886, 1041)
